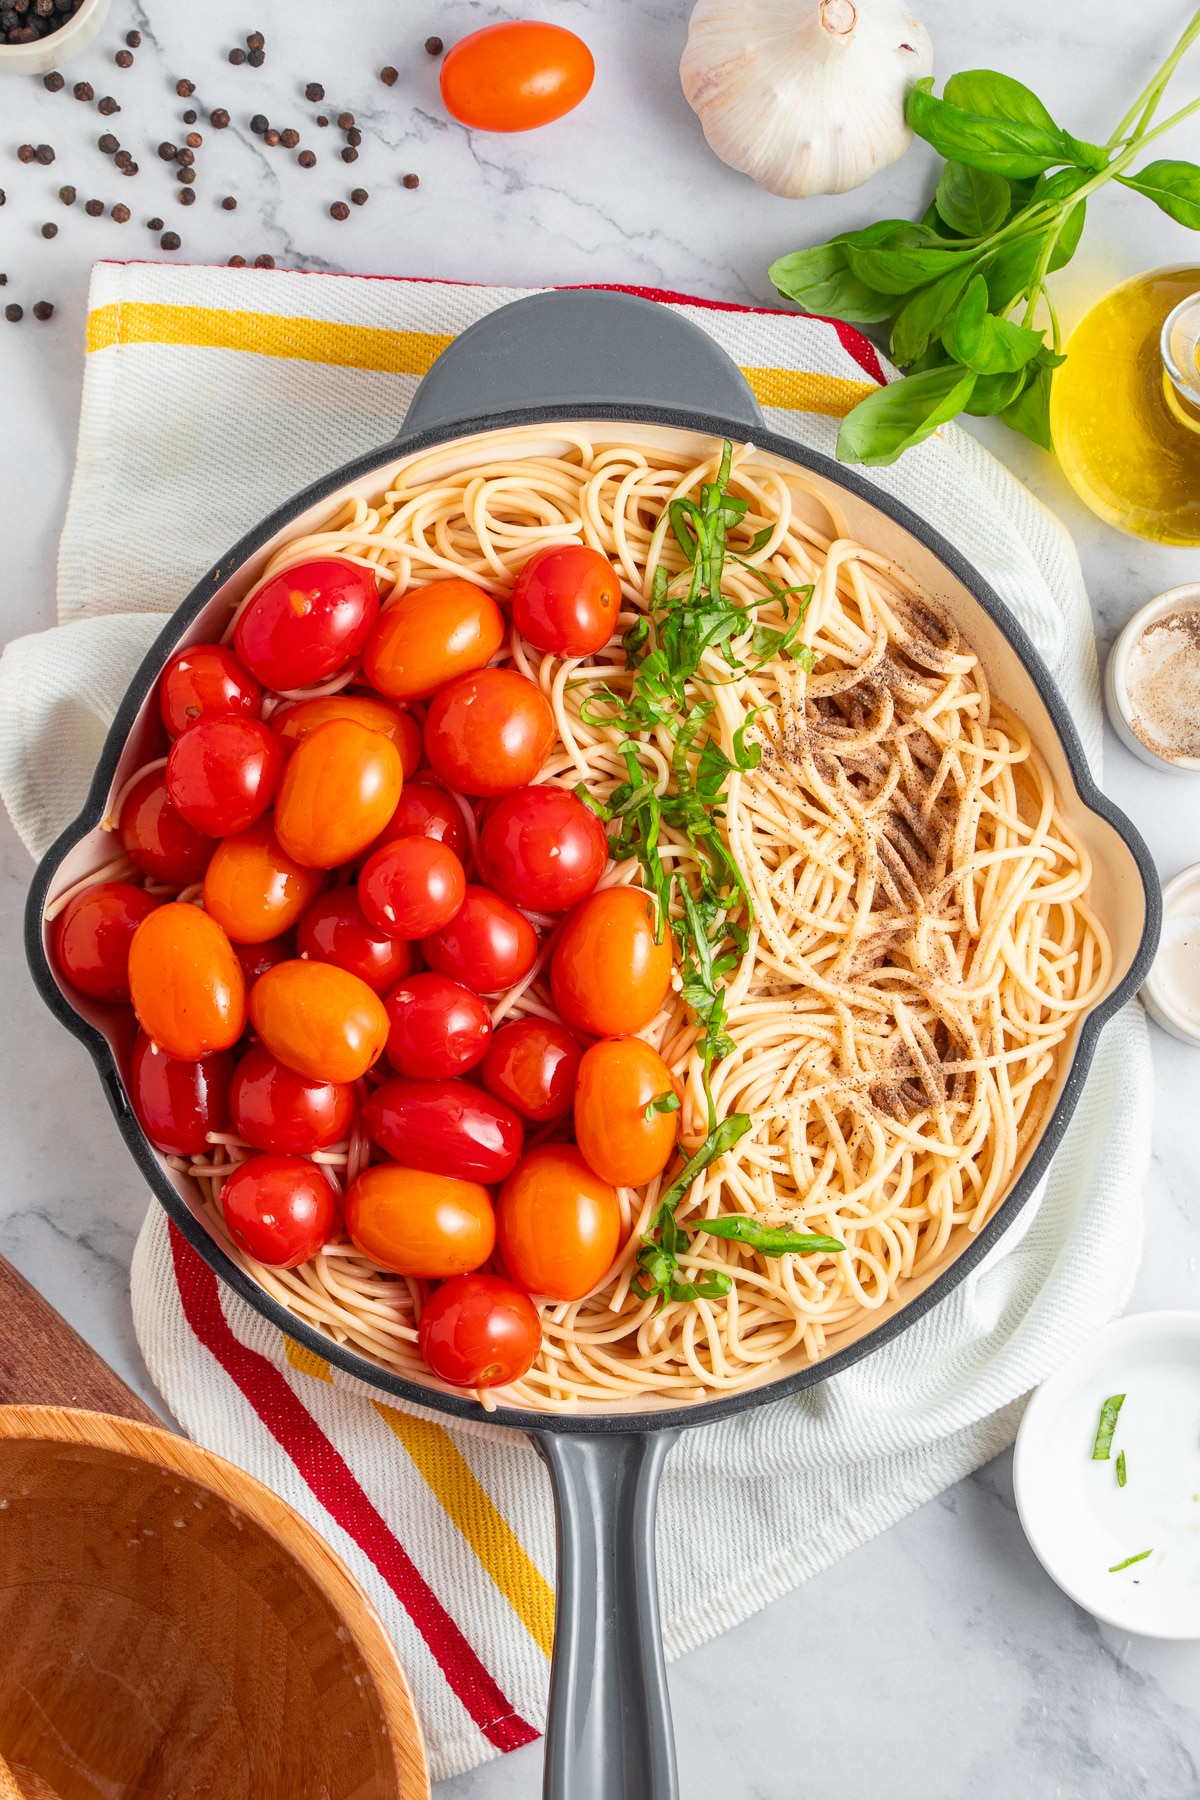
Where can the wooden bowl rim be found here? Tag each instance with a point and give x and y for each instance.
(295, 1535)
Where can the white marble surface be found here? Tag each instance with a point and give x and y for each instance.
(938, 1661)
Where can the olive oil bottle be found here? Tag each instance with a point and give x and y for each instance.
(1125, 406)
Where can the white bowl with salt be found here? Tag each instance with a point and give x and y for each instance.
(1152, 681)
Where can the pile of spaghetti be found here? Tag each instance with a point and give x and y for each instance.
(880, 917)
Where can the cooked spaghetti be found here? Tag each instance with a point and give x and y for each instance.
(917, 940)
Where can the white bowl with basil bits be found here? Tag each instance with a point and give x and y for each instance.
(1107, 1475)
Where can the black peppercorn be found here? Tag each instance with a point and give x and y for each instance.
(345, 121)
(44, 154)
(120, 213)
(49, 229)
(67, 195)
(194, 140)
(94, 208)
(229, 203)
(108, 143)
(256, 41)
(154, 224)
(389, 76)
(14, 313)
(218, 119)
(411, 181)
(434, 46)
(128, 168)
(259, 123)
(185, 156)
(349, 154)
(107, 106)
(43, 310)
(255, 58)
(83, 90)
(53, 81)
(354, 136)
(339, 210)
(264, 262)
(124, 59)
(167, 151)
(359, 196)
(237, 262)
(271, 138)
(289, 138)
(314, 91)
(187, 196)
(189, 117)
(169, 240)
(185, 89)
(123, 159)
(187, 176)
(25, 153)
(307, 159)
(321, 119)
(237, 57)
(133, 39)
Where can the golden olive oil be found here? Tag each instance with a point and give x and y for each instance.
(1126, 435)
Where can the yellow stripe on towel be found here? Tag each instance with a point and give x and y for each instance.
(491, 1537)
(307, 1361)
(798, 390)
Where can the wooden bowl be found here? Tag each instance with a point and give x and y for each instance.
(171, 1628)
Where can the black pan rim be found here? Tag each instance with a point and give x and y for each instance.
(361, 1368)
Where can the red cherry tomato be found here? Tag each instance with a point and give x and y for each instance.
(618, 1078)
(542, 848)
(447, 1127)
(532, 1063)
(279, 1209)
(429, 636)
(302, 716)
(273, 1108)
(157, 839)
(338, 792)
(178, 1103)
(253, 890)
(420, 1224)
(307, 623)
(488, 945)
(335, 930)
(206, 681)
(94, 935)
(412, 887)
(608, 975)
(566, 600)
(516, 75)
(479, 1331)
(426, 810)
(320, 1020)
(489, 732)
(558, 1225)
(438, 1027)
(187, 985)
(256, 959)
(222, 774)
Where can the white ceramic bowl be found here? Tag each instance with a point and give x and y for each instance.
(1116, 692)
(1171, 991)
(1080, 1522)
(53, 51)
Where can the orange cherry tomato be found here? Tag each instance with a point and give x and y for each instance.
(187, 985)
(516, 76)
(320, 1020)
(618, 1078)
(420, 1224)
(253, 889)
(607, 974)
(429, 636)
(295, 721)
(558, 1224)
(338, 792)
(489, 732)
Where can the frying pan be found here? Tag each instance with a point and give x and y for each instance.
(582, 355)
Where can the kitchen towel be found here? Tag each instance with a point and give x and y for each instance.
(210, 396)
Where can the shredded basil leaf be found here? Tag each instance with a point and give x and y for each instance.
(1121, 1468)
(1102, 1448)
(768, 1240)
(1129, 1561)
(661, 1103)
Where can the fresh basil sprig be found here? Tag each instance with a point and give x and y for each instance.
(1009, 210)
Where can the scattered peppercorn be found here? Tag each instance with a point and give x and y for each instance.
(166, 151)
(154, 224)
(83, 90)
(229, 203)
(49, 229)
(187, 176)
(67, 195)
(109, 144)
(187, 196)
(169, 240)
(349, 154)
(264, 262)
(94, 208)
(289, 138)
(44, 154)
(25, 153)
(389, 76)
(3, 280)
(189, 117)
(259, 123)
(339, 210)
(237, 262)
(434, 46)
(237, 57)
(194, 140)
(359, 196)
(256, 41)
(411, 181)
(43, 310)
(271, 137)
(128, 168)
(14, 313)
(120, 213)
(108, 106)
(3, 198)
(218, 119)
(307, 159)
(185, 156)
(345, 121)
(122, 159)
(53, 81)
(256, 59)
(124, 59)
(314, 91)
(354, 136)
(321, 119)
(185, 89)
(133, 39)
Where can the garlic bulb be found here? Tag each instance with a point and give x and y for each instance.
(805, 96)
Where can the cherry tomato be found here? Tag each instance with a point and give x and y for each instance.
(279, 1209)
(558, 1224)
(205, 681)
(448, 1127)
(157, 839)
(222, 774)
(338, 792)
(488, 945)
(320, 1020)
(335, 930)
(479, 1331)
(542, 848)
(412, 887)
(256, 959)
(253, 890)
(618, 1078)
(178, 1103)
(307, 623)
(566, 600)
(438, 1027)
(187, 985)
(607, 974)
(420, 1224)
(94, 935)
(295, 721)
(273, 1108)
(426, 810)
(429, 636)
(516, 76)
(532, 1063)
(489, 732)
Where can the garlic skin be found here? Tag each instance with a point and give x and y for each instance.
(804, 96)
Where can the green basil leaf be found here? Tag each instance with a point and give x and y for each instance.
(729, 1132)
(1002, 146)
(901, 264)
(924, 314)
(661, 1103)
(980, 341)
(820, 281)
(971, 200)
(1030, 412)
(933, 221)
(994, 392)
(1067, 241)
(894, 418)
(995, 96)
(768, 1240)
(1090, 157)
(1173, 186)
(933, 358)
(1011, 270)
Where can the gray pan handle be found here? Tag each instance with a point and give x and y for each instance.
(608, 1736)
(576, 347)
